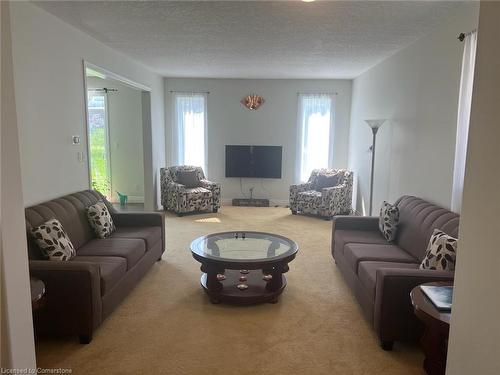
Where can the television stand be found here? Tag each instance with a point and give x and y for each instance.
(251, 202)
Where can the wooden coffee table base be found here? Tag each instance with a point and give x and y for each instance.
(258, 291)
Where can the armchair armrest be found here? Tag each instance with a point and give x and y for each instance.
(214, 187)
(294, 191)
(393, 316)
(73, 295)
(355, 223)
(300, 187)
(208, 184)
(141, 219)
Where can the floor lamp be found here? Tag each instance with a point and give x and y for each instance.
(375, 125)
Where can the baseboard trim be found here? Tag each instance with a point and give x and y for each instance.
(272, 202)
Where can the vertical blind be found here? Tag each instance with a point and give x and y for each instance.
(315, 119)
(190, 122)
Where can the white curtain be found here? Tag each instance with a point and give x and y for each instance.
(191, 127)
(315, 122)
(464, 107)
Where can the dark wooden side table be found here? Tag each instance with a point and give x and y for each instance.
(37, 293)
(437, 327)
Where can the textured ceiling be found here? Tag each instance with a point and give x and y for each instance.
(253, 39)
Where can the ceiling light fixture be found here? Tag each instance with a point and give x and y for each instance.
(308, 1)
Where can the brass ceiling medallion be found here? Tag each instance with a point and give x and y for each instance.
(253, 101)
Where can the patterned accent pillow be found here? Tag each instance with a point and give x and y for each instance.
(53, 240)
(188, 178)
(388, 221)
(441, 252)
(100, 219)
(326, 181)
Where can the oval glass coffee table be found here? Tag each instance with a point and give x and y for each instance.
(243, 268)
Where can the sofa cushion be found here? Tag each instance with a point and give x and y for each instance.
(111, 269)
(71, 211)
(356, 253)
(367, 273)
(198, 192)
(344, 237)
(417, 221)
(132, 249)
(151, 235)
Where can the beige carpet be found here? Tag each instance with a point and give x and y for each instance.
(168, 326)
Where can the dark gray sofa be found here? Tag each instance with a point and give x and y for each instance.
(381, 274)
(82, 292)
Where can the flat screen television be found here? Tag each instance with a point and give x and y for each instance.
(253, 161)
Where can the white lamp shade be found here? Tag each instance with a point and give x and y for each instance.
(375, 124)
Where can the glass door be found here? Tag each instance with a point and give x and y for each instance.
(98, 138)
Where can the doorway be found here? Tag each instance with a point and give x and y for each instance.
(115, 136)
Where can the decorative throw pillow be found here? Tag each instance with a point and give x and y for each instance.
(388, 221)
(325, 181)
(188, 178)
(100, 219)
(53, 240)
(441, 252)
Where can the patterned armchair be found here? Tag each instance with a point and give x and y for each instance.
(327, 202)
(181, 199)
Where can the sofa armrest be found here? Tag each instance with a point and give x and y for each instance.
(141, 219)
(393, 315)
(73, 296)
(355, 223)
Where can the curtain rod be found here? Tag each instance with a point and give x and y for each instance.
(190, 92)
(104, 89)
(462, 36)
(317, 93)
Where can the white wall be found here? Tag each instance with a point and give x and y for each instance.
(48, 73)
(274, 123)
(417, 90)
(125, 138)
(474, 345)
(17, 344)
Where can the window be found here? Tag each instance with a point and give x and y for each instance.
(315, 133)
(190, 118)
(98, 139)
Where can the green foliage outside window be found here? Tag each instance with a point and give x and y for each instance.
(98, 161)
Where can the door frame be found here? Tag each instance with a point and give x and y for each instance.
(124, 80)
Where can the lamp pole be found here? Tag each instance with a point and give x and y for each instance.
(374, 125)
(374, 131)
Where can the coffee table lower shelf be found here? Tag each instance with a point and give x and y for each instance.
(258, 290)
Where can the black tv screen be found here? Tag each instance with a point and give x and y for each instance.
(253, 161)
